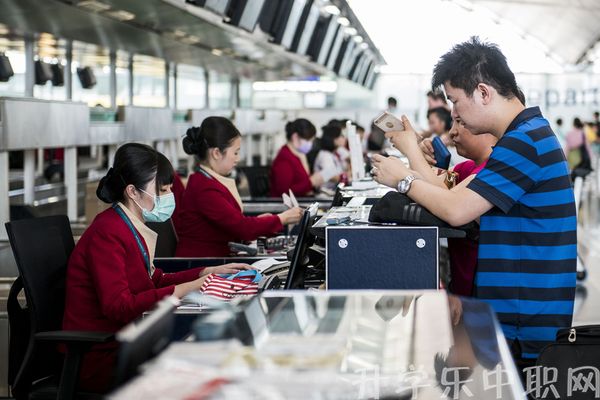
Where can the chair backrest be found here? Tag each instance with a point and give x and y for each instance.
(166, 243)
(41, 247)
(258, 180)
(141, 340)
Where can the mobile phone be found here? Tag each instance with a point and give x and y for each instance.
(442, 155)
(388, 122)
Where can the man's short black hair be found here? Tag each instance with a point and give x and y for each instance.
(392, 101)
(473, 62)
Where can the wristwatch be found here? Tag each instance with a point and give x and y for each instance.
(404, 184)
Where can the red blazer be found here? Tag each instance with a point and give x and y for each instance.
(107, 287)
(287, 172)
(178, 189)
(210, 217)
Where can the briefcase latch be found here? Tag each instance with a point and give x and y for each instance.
(572, 335)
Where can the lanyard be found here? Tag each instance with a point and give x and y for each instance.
(135, 234)
(203, 172)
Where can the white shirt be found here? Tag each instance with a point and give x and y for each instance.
(329, 166)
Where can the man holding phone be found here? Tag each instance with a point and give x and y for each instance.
(523, 197)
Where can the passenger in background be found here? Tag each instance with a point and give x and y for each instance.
(212, 210)
(440, 123)
(290, 169)
(392, 106)
(560, 133)
(436, 99)
(111, 279)
(575, 141)
(329, 163)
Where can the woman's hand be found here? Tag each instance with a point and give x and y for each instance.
(192, 286)
(427, 149)
(225, 269)
(291, 216)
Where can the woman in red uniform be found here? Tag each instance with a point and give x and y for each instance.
(212, 211)
(110, 277)
(290, 168)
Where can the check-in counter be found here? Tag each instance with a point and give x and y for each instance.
(339, 345)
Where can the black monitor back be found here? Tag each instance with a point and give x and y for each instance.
(298, 264)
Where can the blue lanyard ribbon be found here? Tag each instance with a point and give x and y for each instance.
(135, 234)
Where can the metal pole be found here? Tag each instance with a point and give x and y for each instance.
(174, 86)
(4, 199)
(167, 85)
(206, 87)
(113, 79)
(68, 72)
(131, 79)
(29, 66)
(29, 176)
(70, 167)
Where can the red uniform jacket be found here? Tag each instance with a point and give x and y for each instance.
(288, 173)
(178, 189)
(107, 287)
(210, 217)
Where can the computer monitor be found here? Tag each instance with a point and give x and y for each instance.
(295, 278)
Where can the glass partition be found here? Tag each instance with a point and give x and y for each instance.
(149, 81)
(191, 87)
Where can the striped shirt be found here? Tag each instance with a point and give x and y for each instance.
(528, 241)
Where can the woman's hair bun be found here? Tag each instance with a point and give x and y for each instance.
(192, 143)
(106, 190)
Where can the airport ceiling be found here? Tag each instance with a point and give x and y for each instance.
(569, 28)
(173, 30)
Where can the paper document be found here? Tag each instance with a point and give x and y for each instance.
(290, 200)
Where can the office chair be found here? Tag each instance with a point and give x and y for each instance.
(166, 243)
(41, 247)
(141, 340)
(258, 180)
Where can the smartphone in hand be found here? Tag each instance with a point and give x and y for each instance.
(388, 122)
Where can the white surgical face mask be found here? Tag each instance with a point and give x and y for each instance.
(163, 207)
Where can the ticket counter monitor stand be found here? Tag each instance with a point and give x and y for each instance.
(342, 345)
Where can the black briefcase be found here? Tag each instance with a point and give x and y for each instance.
(571, 364)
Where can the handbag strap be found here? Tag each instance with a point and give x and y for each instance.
(254, 274)
(136, 235)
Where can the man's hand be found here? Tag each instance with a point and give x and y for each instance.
(388, 171)
(407, 141)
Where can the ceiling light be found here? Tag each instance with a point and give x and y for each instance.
(343, 21)
(364, 46)
(358, 39)
(331, 9)
(350, 31)
(217, 52)
(93, 5)
(120, 15)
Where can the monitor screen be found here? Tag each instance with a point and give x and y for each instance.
(217, 6)
(316, 40)
(292, 23)
(245, 13)
(295, 278)
(335, 49)
(306, 27)
(332, 32)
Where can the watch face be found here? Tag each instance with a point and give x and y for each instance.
(402, 186)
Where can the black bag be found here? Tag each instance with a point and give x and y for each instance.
(395, 207)
(576, 357)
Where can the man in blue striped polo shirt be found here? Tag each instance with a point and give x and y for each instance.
(523, 197)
